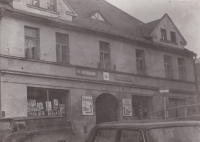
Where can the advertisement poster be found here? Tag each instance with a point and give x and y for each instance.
(87, 105)
(127, 107)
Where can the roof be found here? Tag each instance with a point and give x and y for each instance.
(116, 18)
(148, 28)
(117, 22)
(149, 124)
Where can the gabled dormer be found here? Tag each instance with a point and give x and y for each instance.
(163, 31)
(98, 16)
(51, 8)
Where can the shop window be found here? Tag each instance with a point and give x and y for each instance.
(46, 102)
(173, 37)
(104, 55)
(62, 49)
(181, 68)
(173, 103)
(163, 34)
(142, 107)
(31, 42)
(168, 66)
(140, 61)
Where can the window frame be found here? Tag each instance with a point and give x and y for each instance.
(173, 36)
(168, 67)
(62, 57)
(182, 69)
(103, 63)
(138, 62)
(35, 53)
(163, 34)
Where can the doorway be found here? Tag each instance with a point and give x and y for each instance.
(106, 108)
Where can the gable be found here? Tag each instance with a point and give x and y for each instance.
(98, 16)
(51, 8)
(172, 36)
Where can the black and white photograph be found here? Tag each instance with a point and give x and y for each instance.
(99, 70)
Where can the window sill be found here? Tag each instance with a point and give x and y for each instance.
(167, 41)
(42, 9)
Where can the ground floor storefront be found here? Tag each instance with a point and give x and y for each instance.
(85, 104)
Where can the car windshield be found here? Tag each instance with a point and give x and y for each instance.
(175, 134)
(5, 125)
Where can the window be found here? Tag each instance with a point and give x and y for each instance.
(131, 136)
(176, 103)
(46, 102)
(34, 3)
(52, 5)
(181, 68)
(163, 34)
(105, 136)
(62, 48)
(31, 43)
(173, 37)
(98, 16)
(140, 61)
(104, 55)
(168, 66)
(142, 107)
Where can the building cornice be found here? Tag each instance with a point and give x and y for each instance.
(73, 26)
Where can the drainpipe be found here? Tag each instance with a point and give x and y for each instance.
(2, 11)
(195, 75)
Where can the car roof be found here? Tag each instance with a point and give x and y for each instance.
(148, 124)
(30, 118)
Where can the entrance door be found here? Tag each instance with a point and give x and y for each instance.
(106, 108)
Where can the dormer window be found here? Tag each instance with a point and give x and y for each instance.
(98, 16)
(51, 5)
(173, 37)
(35, 3)
(163, 34)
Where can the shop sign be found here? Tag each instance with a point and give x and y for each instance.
(106, 76)
(86, 73)
(164, 90)
(87, 105)
(127, 107)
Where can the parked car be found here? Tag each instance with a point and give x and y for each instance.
(36, 129)
(146, 131)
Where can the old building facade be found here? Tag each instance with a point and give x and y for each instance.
(90, 62)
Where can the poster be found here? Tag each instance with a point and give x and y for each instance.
(55, 104)
(87, 105)
(48, 106)
(127, 107)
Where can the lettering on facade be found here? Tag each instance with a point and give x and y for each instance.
(127, 107)
(87, 105)
(86, 73)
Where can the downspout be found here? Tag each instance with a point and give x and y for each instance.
(195, 75)
(2, 11)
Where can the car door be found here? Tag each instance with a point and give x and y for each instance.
(21, 132)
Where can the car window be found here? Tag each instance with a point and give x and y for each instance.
(105, 136)
(130, 136)
(22, 125)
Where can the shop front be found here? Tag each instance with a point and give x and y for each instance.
(46, 102)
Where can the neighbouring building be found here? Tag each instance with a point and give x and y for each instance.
(90, 62)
